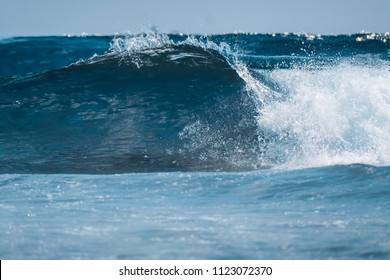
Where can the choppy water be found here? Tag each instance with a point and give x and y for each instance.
(232, 146)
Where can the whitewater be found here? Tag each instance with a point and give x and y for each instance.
(167, 146)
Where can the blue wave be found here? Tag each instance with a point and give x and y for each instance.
(156, 102)
(109, 114)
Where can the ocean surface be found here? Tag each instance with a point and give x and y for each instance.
(162, 146)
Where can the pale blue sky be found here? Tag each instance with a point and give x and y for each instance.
(58, 17)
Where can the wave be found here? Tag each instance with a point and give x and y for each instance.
(153, 102)
(129, 111)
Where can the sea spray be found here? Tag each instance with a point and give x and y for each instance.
(334, 115)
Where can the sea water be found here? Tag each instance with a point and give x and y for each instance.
(163, 146)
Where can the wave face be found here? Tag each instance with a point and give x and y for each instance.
(156, 102)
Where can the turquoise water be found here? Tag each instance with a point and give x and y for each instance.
(338, 212)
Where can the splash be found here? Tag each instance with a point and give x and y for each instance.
(338, 115)
(138, 43)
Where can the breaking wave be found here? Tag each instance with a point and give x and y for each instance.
(157, 102)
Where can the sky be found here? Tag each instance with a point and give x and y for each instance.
(59, 17)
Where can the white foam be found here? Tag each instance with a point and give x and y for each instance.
(337, 115)
(139, 42)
